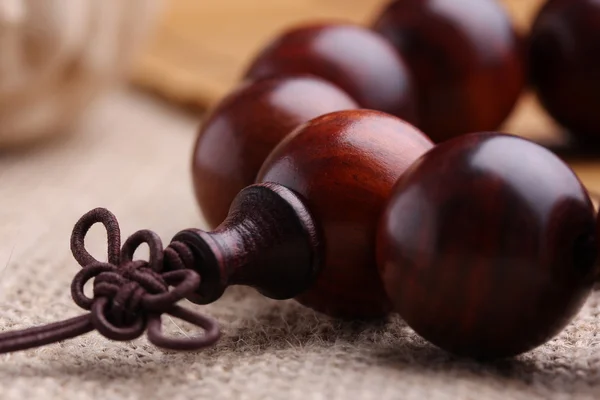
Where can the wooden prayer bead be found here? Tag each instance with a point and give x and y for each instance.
(564, 53)
(344, 165)
(465, 58)
(359, 61)
(487, 247)
(244, 127)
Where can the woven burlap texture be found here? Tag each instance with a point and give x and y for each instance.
(131, 155)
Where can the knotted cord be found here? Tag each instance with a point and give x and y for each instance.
(129, 296)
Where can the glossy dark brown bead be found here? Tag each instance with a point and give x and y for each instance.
(564, 54)
(466, 60)
(487, 247)
(356, 59)
(245, 126)
(344, 165)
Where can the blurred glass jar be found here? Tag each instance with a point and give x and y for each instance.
(58, 55)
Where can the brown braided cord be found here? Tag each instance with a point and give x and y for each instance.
(129, 295)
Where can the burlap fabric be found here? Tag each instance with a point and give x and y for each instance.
(131, 155)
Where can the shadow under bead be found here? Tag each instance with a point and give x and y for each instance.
(356, 59)
(466, 60)
(564, 53)
(344, 165)
(487, 247)
(244, 127)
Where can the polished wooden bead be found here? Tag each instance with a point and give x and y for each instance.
(487, 247)
(564, 55)
(356, 59)
(245, 126)
(466, 60)
(344, 165)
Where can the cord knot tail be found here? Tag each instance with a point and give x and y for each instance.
(129, 296)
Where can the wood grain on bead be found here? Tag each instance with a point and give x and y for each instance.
(344, 165)
(359, 61)
(236, 138)
(564, 56)
(268, 241)
(487, 247)
(466, 60)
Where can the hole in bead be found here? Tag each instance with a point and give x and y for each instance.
(200, 296)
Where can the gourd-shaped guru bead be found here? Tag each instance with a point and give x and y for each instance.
(487, 247)
(244, 127)
(344, 165)
(565, 64)
(466, 61)
(356, 59)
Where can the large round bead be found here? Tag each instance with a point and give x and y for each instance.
(245, 126)
(344, 165)
(564, 54)
(487, 247)
(465, 58)
(356, 59)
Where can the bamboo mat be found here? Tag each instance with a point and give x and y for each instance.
(200, 49)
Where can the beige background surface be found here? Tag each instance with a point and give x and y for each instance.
(131, 155)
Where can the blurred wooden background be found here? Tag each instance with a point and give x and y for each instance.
(201, 47)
